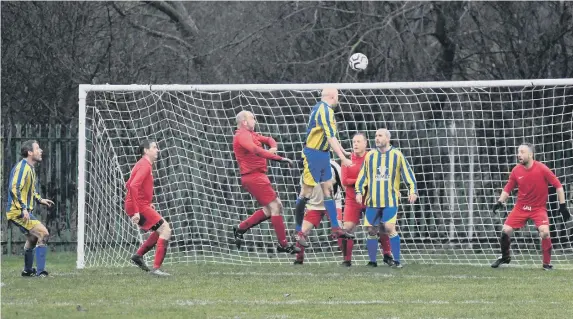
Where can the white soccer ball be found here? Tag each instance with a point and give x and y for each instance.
(358, 61)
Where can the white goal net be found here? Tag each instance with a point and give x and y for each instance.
(461, 139)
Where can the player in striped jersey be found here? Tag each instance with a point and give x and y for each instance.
(315, 208)
(381, 172)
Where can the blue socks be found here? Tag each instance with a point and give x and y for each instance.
(372, 246)
(28, 259)
(395, 245)
(330, 206)
(41, 252)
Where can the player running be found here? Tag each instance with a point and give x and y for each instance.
(353, 210)
(381, 173)
(531, 178)
(315, 209)
(252, 159)
(22, 197)
(320, 137)
(139, 208)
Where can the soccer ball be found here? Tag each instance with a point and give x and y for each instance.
(358, 61)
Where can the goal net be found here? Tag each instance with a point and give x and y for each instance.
(461, 139)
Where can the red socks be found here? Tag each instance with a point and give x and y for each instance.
(160, 253)
(546, 247)
(385, 243)
(300, 255)
(255, 219)
(148, 244)
(279, 226)
(349, 247)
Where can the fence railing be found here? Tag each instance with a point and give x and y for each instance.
(57, 174)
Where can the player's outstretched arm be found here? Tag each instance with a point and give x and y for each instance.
(246, 141)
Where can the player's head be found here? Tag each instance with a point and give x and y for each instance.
(330, 96)
(525, 153)
(247, 120)
(31, 151)
(149, 149)
(359, 143)
(382, 139)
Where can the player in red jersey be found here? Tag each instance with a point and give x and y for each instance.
(352, 210)
(252, 159)
(531, 178)
(139, 207)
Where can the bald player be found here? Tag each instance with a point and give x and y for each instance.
(383, 169)
(252, 159)
(320, 138)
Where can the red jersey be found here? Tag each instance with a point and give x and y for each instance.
(140, 186)
(531, 184)
(250, 154)
(350, 174)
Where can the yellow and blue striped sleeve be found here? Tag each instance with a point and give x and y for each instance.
(363, 179)
(19, 185)
(408, 175)
(326, 120)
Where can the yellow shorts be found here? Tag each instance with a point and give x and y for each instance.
(24, 226)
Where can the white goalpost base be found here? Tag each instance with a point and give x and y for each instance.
(461, 139)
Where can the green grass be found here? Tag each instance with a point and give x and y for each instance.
(224, 291)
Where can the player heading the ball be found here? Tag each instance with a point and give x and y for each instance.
(139, 207)
(252, 159)
(320, 137)
(531, 178)
(381, 172)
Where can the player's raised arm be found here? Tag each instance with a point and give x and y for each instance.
(246, 141)
(328, 123)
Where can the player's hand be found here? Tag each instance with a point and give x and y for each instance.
(359, 198)
(498, 205)
(346, 162)
(412, 198)
(46, 202)
(564, 212)
(273, 150)
(25, 215)
(135, 218)
(287, 160)
(346, 153)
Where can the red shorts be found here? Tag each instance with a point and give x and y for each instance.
(352, 212)
(148, 217)
(315, 216)
(519, 217)
(259, 185)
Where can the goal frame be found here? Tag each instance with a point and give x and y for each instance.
(84, 89)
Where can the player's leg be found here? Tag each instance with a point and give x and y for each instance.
(389, 217)
(372, 219)
(41, 233)
(351, 218)
(276, 209)
(308, 184)
(515, 220)
(384, 241)
(330, 206)
(259, 186)
(311, 220)
(145, 247)
(29, 270)
(164, 231)
(541, 221)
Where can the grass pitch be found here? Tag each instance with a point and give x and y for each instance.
(285, 291)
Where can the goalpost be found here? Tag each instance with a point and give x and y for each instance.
(461, 139)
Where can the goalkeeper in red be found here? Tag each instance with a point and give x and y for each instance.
(139, 207)
(531, 178)
(252, 159)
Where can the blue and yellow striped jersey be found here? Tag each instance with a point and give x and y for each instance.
(381, 173)
(22, 187)
(321, 126)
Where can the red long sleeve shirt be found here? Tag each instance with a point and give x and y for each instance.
(531, 184)
(140, 186)
(350, 174)
(250, 154)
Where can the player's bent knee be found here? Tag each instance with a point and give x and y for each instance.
(164, 231)
(349, 226)
(372, 231)
(543, 232)
(507, 230)
(390, 229)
